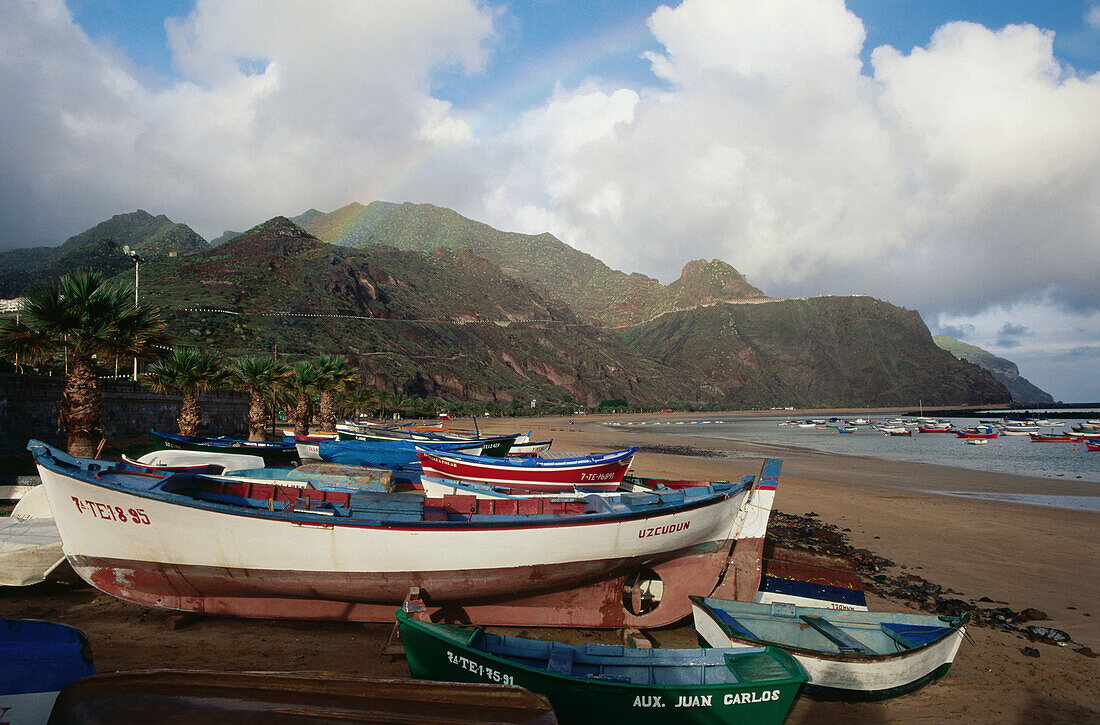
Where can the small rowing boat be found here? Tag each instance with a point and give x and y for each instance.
(847, 655)
(601, 683)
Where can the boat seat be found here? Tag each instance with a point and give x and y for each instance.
(843, 640)
(912, 636)
(727, 619)
(560, 661)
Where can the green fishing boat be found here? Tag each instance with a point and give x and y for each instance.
(599, 683)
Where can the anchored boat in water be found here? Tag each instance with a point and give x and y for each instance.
(263, 548)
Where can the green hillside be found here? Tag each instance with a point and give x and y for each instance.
(98, 248)
(1005, 371)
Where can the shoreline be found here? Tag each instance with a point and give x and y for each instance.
(1000, 557)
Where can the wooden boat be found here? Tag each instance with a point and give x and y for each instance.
(1055, 438)
(809, 579)
(924, 429)
(37, 660)
(274, 454)
(1091, 445)
(976, 433)
(178, 460)
(30, 547)
(215, 545)
(178, 696)
(847, 655)
(495, 446)
(601, 683)
(396, 455)
(846, 429)
(601, 472)
(630, 484)
(15, 487)
(977, 441)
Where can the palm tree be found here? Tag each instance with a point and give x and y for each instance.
(82, 316)
(354, 403)
(335, 376)
(302, 381)
(189, 373)
(258, 376)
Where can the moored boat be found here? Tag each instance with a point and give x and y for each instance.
(977, 433)
(1055, 438)
(599, 683)
(847, 655)
(179, 460)
(177, 696)
(602, 472)
(175, 541)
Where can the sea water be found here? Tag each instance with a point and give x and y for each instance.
(1005, 454)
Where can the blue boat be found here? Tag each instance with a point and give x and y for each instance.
(274, 454)
(398, 456)
(37, 660)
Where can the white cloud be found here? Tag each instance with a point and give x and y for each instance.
(280, 106)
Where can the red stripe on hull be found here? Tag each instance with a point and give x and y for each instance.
(575, 594)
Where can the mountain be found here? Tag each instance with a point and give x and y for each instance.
(816, 352)
(580, 280)
(98, 248)
(1005, 371)
(426, 302)
(443, 323)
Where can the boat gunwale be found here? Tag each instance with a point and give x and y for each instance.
(332, 521)
(781, 655)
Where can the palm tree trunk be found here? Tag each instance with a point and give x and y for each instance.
(190, 419)
(301, 417)
(256, 419)
(82, 408)
(328, 410)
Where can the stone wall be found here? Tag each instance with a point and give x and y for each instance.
(29, 409)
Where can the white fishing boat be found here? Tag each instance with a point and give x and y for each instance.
(190, 542)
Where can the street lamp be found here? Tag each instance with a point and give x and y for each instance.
(138, 259)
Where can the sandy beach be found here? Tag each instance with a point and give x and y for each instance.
(988, 554)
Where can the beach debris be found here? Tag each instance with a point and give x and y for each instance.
(1030, 652)
(1048, 635)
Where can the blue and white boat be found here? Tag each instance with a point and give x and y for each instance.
(37, 660)
(847, 655)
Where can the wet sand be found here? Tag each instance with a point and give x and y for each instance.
(1013, 555)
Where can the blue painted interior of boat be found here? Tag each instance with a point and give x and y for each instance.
(616, 663)
(38, 656)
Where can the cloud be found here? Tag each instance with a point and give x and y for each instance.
(959, 332)
(279, 106)
(1009, 335)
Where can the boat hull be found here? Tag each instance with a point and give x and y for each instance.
(596, 476)
(850, 677)
(593, 700)
(210, 696)
(190, 558)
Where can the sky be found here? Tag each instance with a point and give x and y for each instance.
(942, 156)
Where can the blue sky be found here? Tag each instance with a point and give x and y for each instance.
(551, 41)
(943, 156)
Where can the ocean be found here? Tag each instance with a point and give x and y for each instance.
(1005, 454)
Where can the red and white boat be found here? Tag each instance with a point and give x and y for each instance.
(602, 472)
(215, 545)
(977, 433)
